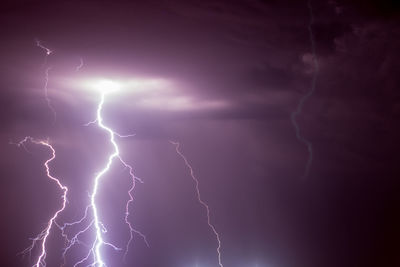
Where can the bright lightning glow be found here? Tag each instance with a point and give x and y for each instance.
(106, 86)
(46, 232)
(204, 204)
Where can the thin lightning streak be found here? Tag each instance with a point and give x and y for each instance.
(204, 204)
(46, 94)
(305, 97)
(46, 232)
(48, 52)
(75, 239)
(131, 229)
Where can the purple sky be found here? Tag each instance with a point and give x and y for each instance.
(229, 75)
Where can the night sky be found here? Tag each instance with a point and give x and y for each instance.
(222, 78)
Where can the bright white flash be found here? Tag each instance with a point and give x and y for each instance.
(105, 86)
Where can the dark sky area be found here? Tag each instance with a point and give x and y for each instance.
(223, 78)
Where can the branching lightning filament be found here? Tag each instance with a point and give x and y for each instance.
(46, 232)
(87, 222)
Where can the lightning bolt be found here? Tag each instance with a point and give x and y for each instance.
(305, 97)
(46, 232)
(91, 219)
(86, 222)
(202, 202)
(99, 228)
